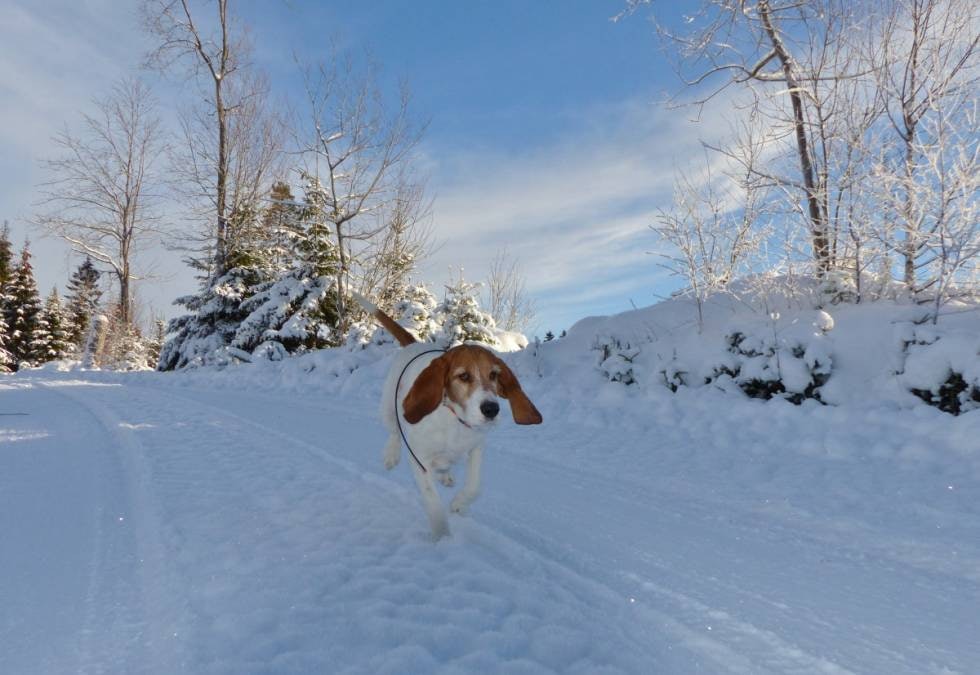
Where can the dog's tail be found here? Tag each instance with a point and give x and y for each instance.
(403, 336)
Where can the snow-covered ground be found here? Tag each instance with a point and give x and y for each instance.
(241, 522)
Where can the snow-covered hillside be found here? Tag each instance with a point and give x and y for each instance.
(240, 521)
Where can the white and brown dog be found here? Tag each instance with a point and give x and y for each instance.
(442, 403)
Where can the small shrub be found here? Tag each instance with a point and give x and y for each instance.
(954, 395)
(942, 368)
(616, 359)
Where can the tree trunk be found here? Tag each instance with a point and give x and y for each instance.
(220, 248)
(124, 299)
(818, 220)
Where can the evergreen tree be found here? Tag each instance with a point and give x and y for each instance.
(416, 311)
(6, 358)
(204, 335)
(51, 337)
(82, 301)
(6, 256)
(298, 310)
(7, 362)
(461, 317)
(549, 336)
(22, 309)
(155, 343)
(125, 347)
(281, 222)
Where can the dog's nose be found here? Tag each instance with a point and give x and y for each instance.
(489, 409)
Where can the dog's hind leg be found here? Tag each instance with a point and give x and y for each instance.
(392, 451)
(432, 503)
(471, 488)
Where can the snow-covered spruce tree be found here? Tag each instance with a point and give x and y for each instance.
(6, 359)
(6, 268)
(22, 309)
(416, 311)
(51, 337)
(282, 225)
(204, 335)
(6, 256)
(82, 301)
(125, 347)
(461, 317)
(298, 310)
(155, 343)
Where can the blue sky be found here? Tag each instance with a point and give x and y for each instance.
(547, 132)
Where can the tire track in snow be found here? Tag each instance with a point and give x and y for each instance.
(148, 632)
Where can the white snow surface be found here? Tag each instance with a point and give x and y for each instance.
(240, 521)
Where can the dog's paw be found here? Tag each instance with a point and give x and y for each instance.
(391, 461)
(459, 506)
(447, 479)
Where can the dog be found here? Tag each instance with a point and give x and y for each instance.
(442, 403)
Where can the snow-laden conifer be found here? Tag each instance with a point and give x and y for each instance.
(22, 309)
(82, 301)
(460, 315)
(298, 310)
(51, 336)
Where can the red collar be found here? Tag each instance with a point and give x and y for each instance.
(460, 419)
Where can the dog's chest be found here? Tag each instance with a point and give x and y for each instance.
(439, 439)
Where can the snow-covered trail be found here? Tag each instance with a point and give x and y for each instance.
(723, 570)
(192, 531)
(80, 589)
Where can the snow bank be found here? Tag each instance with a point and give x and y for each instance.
(778, 345)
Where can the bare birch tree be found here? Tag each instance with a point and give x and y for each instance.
(509, 302)
(359, 149)
(788, 58)
(927, 73)
(404, 240)
(712, 230)
(102, 189)
(230, 141)
(253, 157)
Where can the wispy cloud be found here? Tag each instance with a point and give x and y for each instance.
(55, 57)
(576, 212)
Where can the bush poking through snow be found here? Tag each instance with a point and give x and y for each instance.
(767, 366)
(942, 368)
(616, 359)
(954, 395)
(762, 360)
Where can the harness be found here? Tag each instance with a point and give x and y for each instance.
(398, 417)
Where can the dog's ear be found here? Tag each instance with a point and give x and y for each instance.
(427, 391)
(521, 407)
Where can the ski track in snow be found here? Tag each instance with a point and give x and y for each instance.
(240, 532)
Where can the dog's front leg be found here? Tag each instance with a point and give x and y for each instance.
(432, 503)
(393, 451)
(471, 489)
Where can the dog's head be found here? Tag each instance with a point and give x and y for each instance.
(470, 379)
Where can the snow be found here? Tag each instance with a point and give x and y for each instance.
(240, 520)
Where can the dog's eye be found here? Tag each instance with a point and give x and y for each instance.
(465, 377)
(493, 375)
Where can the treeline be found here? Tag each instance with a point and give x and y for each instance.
(35, 331)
